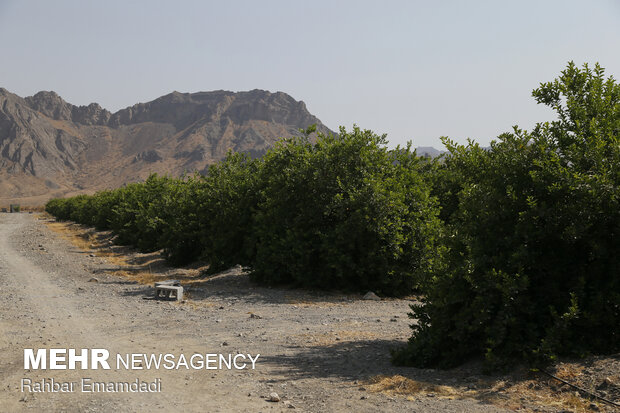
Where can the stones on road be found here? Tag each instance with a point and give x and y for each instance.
(371, 296)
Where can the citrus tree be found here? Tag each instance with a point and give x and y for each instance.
(533, 237)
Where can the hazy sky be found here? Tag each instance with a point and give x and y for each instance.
(415, 70)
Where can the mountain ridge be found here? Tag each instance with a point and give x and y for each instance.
(50, 147)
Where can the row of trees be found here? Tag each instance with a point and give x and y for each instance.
(342, 213)
(515, 248)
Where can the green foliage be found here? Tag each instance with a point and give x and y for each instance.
(232, 191)
(213, 215)
(533, 230)
(137, 213)
(181, 237)
(344, 213)
(515, 247)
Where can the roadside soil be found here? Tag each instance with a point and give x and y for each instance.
(66, 286)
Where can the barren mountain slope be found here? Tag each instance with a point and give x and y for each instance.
(49, 147)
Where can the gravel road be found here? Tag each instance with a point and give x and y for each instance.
(317, 352)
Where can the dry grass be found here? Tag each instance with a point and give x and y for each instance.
(144, 276)
(403, 386)
(77, 235)
(141, 277)
(539, 393)
(523, 395)
(149, 269)
(569, 372)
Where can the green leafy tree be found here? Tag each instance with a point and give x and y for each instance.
(213, 215)
(344, 213)
(533, 229)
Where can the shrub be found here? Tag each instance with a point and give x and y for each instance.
(533, 236)
(181, 236)
(232, 190)
(344, 213)
(57, 208)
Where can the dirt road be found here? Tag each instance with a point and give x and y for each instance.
(318, 352)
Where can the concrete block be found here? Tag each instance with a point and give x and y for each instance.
(169, 291)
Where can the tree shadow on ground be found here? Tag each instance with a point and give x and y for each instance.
(235, 284)
(366, 364)
(348, 360)
(232, 284)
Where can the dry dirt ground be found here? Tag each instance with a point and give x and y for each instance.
(65, 286)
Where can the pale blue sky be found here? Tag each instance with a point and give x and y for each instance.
(415, 70)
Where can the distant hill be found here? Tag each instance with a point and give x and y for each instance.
(50, 148)
(428, 151)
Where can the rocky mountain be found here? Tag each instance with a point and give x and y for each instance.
(49, 147)
(429, 151)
